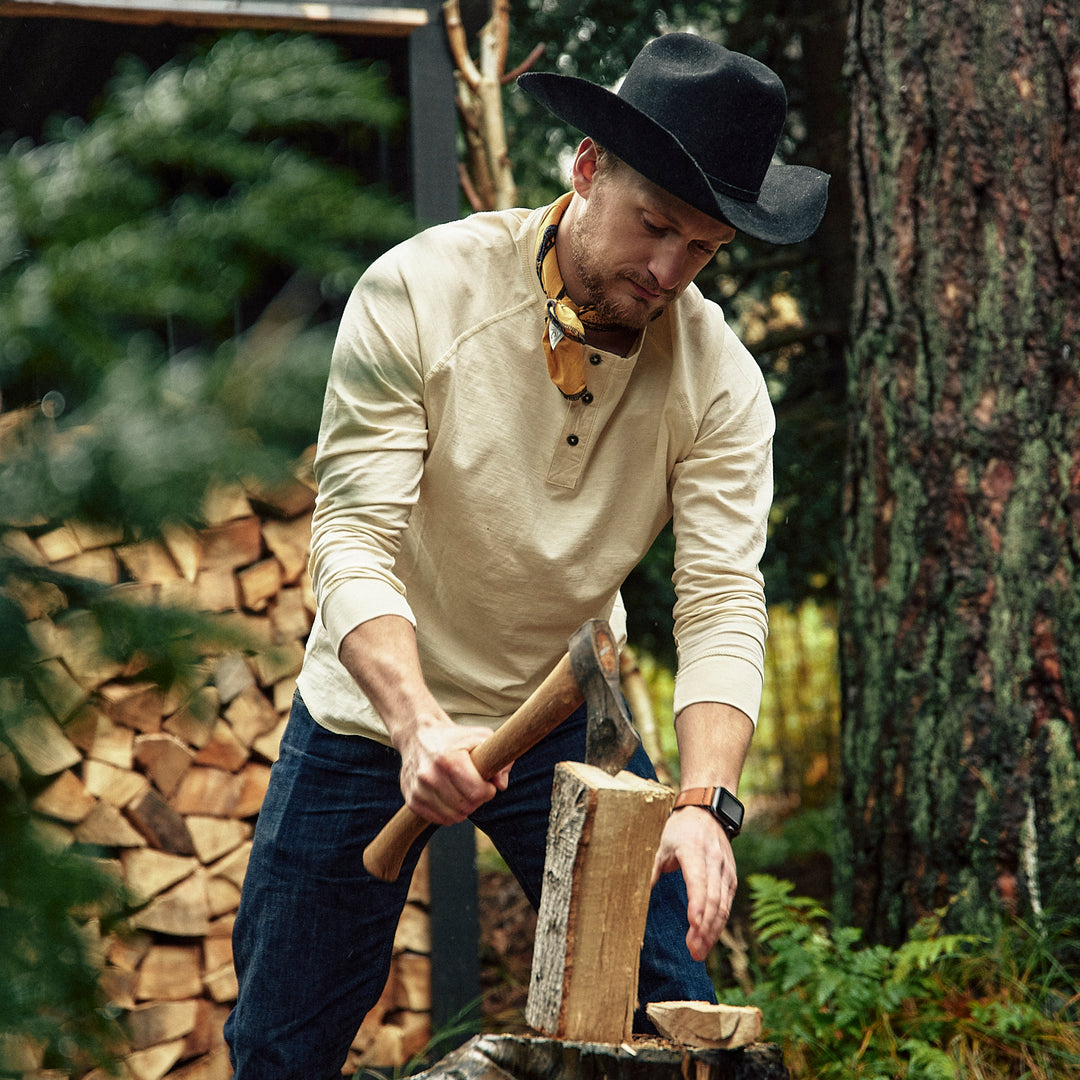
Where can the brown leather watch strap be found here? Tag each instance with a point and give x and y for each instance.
(695, 796)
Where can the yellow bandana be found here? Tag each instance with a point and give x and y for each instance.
(564, 333)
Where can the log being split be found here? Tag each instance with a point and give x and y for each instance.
(602, 837)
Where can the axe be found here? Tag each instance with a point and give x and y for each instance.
(588, 672)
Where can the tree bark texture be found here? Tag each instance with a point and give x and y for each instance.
(961, 639)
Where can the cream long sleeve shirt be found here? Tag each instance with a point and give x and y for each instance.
(459, 489)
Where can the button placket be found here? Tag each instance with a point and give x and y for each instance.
(582, 417)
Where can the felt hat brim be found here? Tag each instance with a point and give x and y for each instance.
(787, 208)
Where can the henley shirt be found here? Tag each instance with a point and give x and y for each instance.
(459, 489)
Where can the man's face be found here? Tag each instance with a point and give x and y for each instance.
(634, 248)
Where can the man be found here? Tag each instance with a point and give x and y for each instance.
(517, 404)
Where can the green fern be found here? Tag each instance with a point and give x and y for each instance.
(922, 954)
(928, 1062)
(870, 1012)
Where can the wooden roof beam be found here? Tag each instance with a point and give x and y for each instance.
(327, 18)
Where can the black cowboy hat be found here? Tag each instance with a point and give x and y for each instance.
(702, 122)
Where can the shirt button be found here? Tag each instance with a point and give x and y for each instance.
(595, 358)
(586, 398)
(572, 440)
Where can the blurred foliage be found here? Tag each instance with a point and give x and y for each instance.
(138, 252)
(793, 760)
(171, 274)
(787, 844)
(938, 1006)
(795, 754)
(49, 990)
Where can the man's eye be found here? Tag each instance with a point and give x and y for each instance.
(656, 230)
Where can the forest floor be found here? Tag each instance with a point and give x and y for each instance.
(507, 926)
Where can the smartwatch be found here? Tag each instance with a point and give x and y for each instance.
(719, 802)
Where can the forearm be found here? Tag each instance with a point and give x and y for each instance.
(713, 743)
(438, 778)
(381, 656)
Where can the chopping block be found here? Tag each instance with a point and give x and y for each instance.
(524, 1057)
(602, 836)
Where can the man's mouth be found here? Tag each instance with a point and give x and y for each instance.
(644, 292)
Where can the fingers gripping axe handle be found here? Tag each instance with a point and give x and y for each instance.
(547, 707)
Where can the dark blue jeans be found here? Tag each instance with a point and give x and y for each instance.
(314, 935)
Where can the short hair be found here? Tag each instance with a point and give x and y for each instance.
(607, 161)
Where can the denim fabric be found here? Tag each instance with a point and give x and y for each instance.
(314, 934)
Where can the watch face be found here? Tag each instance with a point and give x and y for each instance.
(730, 807)
(728, 811)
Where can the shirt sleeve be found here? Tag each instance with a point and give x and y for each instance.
(370, 456)
(721, 495)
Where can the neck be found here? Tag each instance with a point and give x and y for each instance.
(563, 246)
(617, 341)
(620, 340)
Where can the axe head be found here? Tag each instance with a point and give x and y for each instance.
(610, 738)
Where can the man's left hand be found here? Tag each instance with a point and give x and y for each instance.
(694, 842)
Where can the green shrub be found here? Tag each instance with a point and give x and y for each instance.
(938, 1007)
(54, 904)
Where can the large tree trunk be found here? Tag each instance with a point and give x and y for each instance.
(961, 642)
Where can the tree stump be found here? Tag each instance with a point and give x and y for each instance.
(521, 1057)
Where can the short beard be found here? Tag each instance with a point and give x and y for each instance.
(612, 315)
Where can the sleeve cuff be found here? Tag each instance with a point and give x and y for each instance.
(357, 600)
(729, 680)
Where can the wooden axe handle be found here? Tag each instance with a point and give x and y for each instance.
(545, 708)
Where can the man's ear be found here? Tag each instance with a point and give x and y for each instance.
(584, 169)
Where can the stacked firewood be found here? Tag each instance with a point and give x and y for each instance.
(168, 786)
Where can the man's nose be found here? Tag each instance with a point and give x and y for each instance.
(668, 264)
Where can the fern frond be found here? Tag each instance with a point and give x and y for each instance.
(924, 953)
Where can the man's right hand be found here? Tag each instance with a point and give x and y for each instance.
(438, 778)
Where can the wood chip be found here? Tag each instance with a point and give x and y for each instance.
(703, 1026)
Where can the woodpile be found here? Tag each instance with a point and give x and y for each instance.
(169, 786)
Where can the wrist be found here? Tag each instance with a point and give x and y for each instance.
(409, 724)
(719, 802)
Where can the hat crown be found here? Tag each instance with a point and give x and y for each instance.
(726, 109)
(703, 123)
